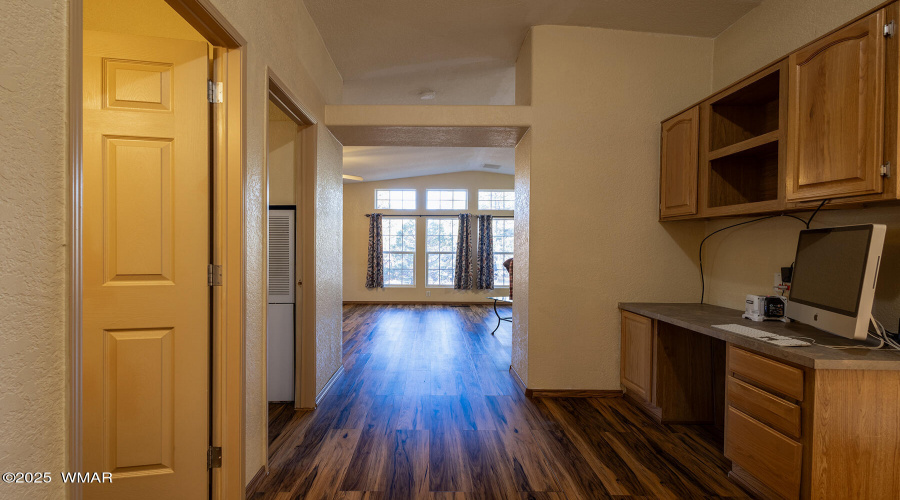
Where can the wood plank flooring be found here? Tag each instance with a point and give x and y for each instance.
(426, 409)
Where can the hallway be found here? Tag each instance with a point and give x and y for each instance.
(427, 407)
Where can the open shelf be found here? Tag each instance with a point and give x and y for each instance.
(746, 113)
(748, 176)
(742, 146)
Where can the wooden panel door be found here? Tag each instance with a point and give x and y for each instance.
(146, 249)
(836, 114)
(679, 164)
(637, 355)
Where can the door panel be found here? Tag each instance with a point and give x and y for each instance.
(836, 114)
(637, 355)
(679, 164)
(146, 249)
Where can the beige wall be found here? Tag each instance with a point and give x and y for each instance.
(33, 211)
(359, 199)
(281, 162)
(33, 242)
(597, 99)
(743, 260)
(328, 256)
(523, 251)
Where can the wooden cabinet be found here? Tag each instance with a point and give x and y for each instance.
(637, 355)
(742, 147)
(678, 165)
(763, 423)
(823, 123)
(836, 113)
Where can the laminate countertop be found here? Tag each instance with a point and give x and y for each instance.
(701, 318)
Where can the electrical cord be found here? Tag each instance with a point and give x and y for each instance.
(700, 259)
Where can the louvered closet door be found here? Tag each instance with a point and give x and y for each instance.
(281, 257)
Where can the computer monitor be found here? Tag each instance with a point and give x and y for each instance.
(834, 278)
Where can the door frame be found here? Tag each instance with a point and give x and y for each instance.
(228, 245)
(304, 246)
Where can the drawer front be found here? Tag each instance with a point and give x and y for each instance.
(770, 374)
(769, 456)
(766, 408)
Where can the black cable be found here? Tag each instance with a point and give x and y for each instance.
(816, 211)
(700, 259)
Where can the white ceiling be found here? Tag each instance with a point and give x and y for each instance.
(388, 51)
(377, 163)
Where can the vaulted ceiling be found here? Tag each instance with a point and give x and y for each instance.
(391, 51)
(388, 51)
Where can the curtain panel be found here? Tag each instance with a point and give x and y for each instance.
(375, 268)
(485, 252)
(464, 278)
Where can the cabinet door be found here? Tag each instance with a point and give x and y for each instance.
(836, 114)
(637, 355)
(679, 164)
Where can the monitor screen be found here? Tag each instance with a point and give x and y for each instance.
(830, 268)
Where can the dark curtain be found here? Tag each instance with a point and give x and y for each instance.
(485, 252)
(464, 278)
(375, 269)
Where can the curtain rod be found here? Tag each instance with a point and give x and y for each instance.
(437, 215)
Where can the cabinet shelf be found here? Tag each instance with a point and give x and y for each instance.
(748, 176)
(746, 145)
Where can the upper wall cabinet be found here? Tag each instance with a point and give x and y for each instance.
(822, 123)
(742, 145)
(836, 113)
(678, 163)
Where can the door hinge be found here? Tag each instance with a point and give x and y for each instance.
(214, 275)
(215, 91)
(889, 29)
(214, 457)
(886, 170)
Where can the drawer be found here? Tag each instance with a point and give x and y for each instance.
(778, 413)
(772, 458)
(767, 373)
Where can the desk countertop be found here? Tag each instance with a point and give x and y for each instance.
(701, 317)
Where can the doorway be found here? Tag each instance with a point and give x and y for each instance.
(289, 147)
(150, 159)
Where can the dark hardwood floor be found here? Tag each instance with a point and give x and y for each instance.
(426, 408)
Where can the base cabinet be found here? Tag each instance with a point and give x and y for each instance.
(637, 356)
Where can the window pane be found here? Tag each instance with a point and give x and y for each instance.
(446, 199)
(395, 199)
(496, 199)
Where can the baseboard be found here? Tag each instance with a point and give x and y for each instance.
(257, 480)
(561, 393)
(414, 303)
(518, 379)
(337, 373)
(572, 393)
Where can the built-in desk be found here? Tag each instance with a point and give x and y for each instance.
(798, 422)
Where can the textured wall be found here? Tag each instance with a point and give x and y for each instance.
(32, 242)
(597, 99)
(359, 199)
(523, 252)
(329, 250)
(744, 260)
